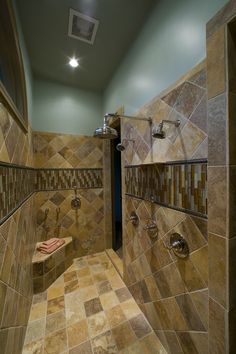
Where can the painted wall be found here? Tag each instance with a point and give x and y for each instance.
(171, 43)
(63, 109)
(27, 66)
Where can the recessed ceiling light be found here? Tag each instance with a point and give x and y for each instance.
(73, 62)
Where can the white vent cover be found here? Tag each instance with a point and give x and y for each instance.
(82, 27)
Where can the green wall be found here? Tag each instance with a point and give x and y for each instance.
(64, 109)
(26, 63)
(171, 42)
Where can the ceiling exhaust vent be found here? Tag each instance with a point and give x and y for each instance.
(82, 27)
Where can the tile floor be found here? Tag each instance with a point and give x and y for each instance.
(89, 310)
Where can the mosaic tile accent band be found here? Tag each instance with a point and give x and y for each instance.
(53, 179)
(17, 183)
(181, 186)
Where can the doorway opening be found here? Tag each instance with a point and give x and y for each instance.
(116, 194)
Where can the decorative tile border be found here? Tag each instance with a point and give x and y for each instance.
(180, 185)
(18, 183)
(53, 179)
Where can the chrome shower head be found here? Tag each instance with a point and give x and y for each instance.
(159, 132)
(121, 146)
(105, 132)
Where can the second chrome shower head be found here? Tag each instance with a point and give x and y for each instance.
(159, 133)
(122, 146)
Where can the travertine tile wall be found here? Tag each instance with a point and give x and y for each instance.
(221, 75)
(172, 292)
(17, 234)
(68, 153)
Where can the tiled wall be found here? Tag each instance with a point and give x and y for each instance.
(221, 75)
(17, 234)
(172, 292)
(68, 153)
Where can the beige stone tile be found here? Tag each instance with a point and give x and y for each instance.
(55, 322)
(55, 305)
(98, 324)
(85, 282)
(77, 333)
(36, 347)
(69, 276)
(109, 300)
(71, 286)
(123, 294)
(55, 291)
(104, 343)
(88, 293)
(56, 343)
(38, 311)
(84, 272)
(116, 282)
(130, 308)
(41, 297)
(115, 316)
(124, 335)
(74, 308)
(35, 330)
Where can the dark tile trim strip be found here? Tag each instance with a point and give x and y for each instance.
(178, 162)
(18, 183)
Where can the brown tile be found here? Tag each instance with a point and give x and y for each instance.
(217, 131)
(104, 287)
(115, 316)
(169, 281)
(216, 63)
(77, 333)
(200, 262)
(217, 328)
(158, 256)
(68, 277)
(189, 313)
(104, 343)
(3, 292)
(56, 342)
(84, 272)
(217, 268)
(84, 348)
(152, 288)
(55, 305)
(124, 335)
(140, 326)
(189, 274)
(170, 315)
(169, 341)
(55, 291)
(188, 99)
(55, 322)
(74, 308)
(98, 324)
(71, 286)
(151, 344)
(41, 297)
(93, 306)
(199, 116)
(201, 302)
(195, 343)
(123, 294)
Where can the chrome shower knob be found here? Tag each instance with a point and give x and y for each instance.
(179, 245)
(134, 219)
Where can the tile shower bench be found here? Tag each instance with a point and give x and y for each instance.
(48, 267)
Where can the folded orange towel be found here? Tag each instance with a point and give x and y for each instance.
(48, 250)
(50, 242)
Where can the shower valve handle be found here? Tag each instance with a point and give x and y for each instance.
(179, 245)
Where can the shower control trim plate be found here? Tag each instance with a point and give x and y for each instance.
(179, 245)
(133, 218)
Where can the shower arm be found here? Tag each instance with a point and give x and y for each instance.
(176, 122)
(116, 115)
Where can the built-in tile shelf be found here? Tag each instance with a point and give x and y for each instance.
(181, 185)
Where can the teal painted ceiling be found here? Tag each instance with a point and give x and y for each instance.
(45, 28)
